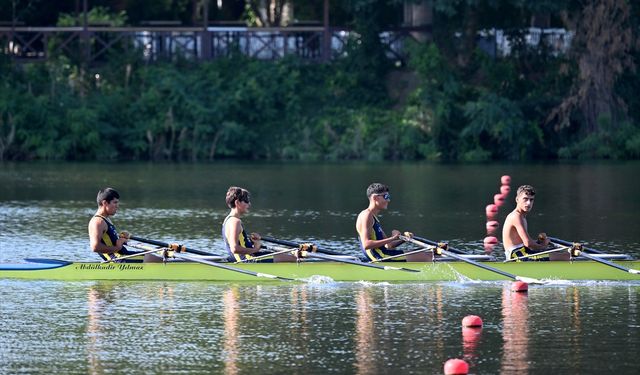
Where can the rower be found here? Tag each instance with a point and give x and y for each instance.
(241, 247)
(515, 236)
(103, 236)
(374, 242)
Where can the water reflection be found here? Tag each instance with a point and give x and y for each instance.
(471, 337)
(573, 296)
(365, 340)
(231, 346)
(515, 332)
(98, 296)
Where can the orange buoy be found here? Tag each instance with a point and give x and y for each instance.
(472, 321)
(519, 286)
(456, 366)
(498, 199)
(505, 189)
(506, 180)
(491, 210)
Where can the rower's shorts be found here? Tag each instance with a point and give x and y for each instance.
(523, 251)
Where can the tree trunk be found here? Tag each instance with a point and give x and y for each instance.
(420, 15)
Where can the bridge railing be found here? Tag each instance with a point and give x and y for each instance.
(160, 43)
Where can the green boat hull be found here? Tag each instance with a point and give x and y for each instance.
(439, 271)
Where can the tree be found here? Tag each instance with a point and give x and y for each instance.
(603, 47)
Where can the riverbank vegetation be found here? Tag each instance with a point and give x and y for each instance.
(448, 102)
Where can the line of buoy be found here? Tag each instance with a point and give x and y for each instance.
(471, 329)
(491, 241)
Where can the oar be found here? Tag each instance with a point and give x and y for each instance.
(570, 244)
(576, 250)
(295, 244)
(214, 264)
(254, 259)
(561, 248)
(429, 248)
(311, 254)
(147, 251)
(435, 244)
(164, 244)
(178, 249)
(451, 254)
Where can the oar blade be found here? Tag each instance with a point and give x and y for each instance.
(392, 268)
(529, 280)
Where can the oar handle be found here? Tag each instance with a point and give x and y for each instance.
(295, 244)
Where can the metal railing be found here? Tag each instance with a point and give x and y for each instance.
(92, 44)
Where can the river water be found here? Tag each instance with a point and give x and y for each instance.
(320, 327)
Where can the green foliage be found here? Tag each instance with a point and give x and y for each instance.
(496, 124)
(467, 106)
(608, 142)
(97, 15)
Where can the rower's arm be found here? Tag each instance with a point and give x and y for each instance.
(97, 227)
(233, 228)
(524, 235)
(364, 226)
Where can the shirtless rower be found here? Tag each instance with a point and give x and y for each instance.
(515, 234)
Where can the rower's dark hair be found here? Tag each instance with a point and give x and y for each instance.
(237, 194)
(377, 188)
(528, 189)
(107, 194)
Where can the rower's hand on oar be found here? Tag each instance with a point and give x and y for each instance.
(408, 234)
(543, 239)
(257, 241)
(122, 239)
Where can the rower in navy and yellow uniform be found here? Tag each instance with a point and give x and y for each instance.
(373, 241)
(103, 236)
(515, 235)
(242, 247)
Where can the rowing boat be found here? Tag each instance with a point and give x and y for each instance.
(51, 269)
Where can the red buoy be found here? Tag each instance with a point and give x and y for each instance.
(456, 366)
(498, 199)
(506, 180)
(505, 189)
(519, 286)
(492, 226)
(472, 321)
(491, 210)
